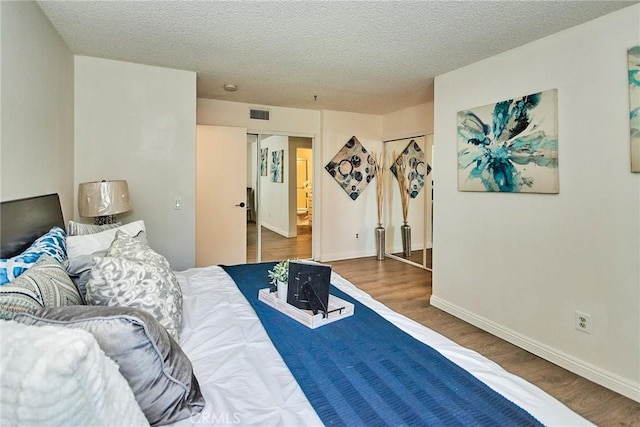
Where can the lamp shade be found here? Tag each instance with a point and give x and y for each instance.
(102, 198)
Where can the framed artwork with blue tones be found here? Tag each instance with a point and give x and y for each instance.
(634, 106)
(352, 168)
(416, 169)
(277, 166)
(263, 161)
(510, 146)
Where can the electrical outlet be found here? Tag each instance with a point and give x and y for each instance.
(357, 236)
(583, 322)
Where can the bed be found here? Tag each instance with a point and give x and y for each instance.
(245, 376)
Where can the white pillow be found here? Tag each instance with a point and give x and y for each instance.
(54, 376)
(88, 244)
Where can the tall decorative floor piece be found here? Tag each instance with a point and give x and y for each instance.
(380, 242)
(405, 230)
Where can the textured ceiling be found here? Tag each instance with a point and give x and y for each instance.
(368, 57)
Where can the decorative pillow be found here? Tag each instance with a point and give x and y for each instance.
(46, 284)
(80, 229)
(79, 268)
(133, 249)
(141, 278)
(90, 243)
(52, 243)
(159, 373)
(53, 376)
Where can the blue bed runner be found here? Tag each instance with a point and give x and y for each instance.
(363, 370)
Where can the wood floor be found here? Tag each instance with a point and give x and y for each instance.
(407, 289)
(276, 247)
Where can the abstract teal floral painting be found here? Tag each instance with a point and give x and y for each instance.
(510, 146)
(263, 161)
(634, 106)
(277, 166)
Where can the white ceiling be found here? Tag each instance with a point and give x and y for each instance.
(368, 57)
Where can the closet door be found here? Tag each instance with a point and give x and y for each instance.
(221, 180)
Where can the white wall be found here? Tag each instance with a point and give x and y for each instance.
(520, 265)
(138, 123)
(282, 120)
(343, 218)
(37, 107)
(416, 120)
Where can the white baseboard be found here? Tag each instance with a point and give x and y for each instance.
(414, 247)
(283, 233)
(345, 255)
(599, 376)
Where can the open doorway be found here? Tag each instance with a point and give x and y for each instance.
(279, 197)
(304, 190)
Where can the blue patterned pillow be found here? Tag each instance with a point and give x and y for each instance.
(53, 243)
(46, 284)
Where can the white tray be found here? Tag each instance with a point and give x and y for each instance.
(306, 317)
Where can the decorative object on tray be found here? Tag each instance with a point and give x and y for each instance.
(510, 146)
(103, 200)
(277, 166)
(415, 167)
(307, 293)
(309, 286)
(380, 179)
(338, 309)
(400, 166)
(279, 276)
(352, 167)
(633, 55)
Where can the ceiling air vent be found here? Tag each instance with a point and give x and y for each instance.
(259, 114)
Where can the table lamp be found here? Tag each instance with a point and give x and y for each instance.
(103, 200)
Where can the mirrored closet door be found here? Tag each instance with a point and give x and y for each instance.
(408, 221)
(279, 197)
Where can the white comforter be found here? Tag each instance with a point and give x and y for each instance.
(245, 381)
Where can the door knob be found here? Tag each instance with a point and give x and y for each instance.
(241, 204)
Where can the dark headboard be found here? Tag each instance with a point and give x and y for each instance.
(22, 221)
